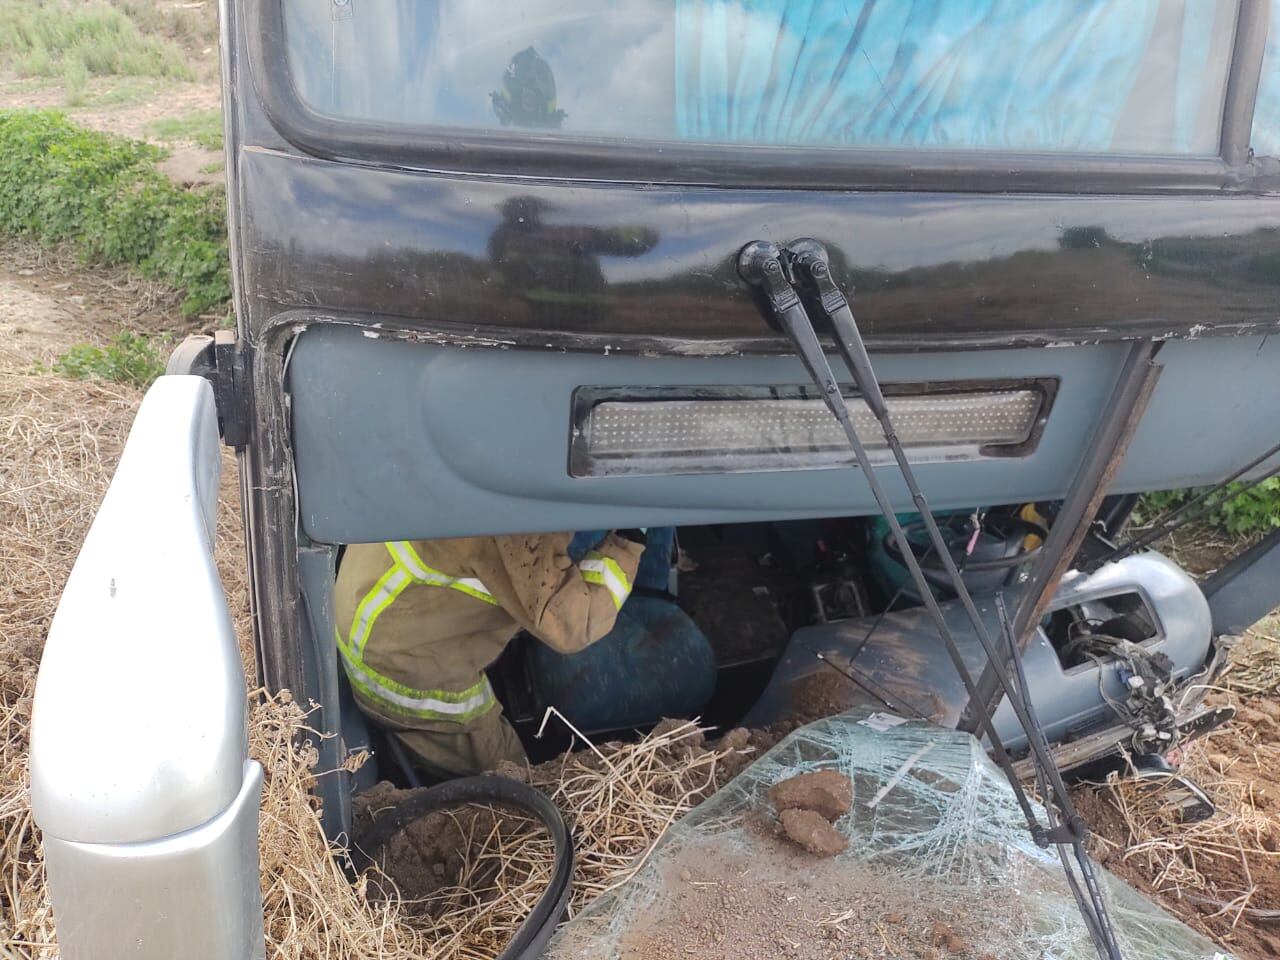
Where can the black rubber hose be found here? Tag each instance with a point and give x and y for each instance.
(532, 936)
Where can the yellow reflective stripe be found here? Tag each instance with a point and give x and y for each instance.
(389, 586)
(473, 588)
(455, 706)
(408, 558)
(599, 569)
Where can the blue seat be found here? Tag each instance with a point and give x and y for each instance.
(654, 663)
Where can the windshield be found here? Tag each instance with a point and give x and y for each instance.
(1098, 76)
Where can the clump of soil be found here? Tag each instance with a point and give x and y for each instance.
(808, 804)
(776, 902)
(825, 792)
(945, 938)
(808, 830)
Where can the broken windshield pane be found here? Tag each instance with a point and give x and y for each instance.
(932, 857)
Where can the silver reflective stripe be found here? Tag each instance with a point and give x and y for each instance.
(476, 703)
(387, 589)
(606, 573)
(408, 558)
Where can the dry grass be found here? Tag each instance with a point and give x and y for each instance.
(59, 442)
(619, 799)
(1221, 875)
(1258, 672)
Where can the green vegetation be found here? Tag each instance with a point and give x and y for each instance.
(203, 128)
(129, 358)
(118, 91)
(185, 25)
(46, 38)
(1254, 511)
(104, 197)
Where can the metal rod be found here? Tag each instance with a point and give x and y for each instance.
(1110, 441)
(1099, 921)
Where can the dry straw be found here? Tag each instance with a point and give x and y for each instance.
(1221, 872)
(58, 445)
(59, 442)
(619, 802)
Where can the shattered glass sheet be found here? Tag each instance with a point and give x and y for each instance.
(948, 822)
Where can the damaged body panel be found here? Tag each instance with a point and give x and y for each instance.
(419, 308)
(894, 662)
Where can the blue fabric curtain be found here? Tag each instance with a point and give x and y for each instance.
(1266, 112)
(944, 73)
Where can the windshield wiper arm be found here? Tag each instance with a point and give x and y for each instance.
(773, 271)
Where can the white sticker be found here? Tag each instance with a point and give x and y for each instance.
(880, 722)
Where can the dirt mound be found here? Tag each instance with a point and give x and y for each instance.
(780, 903)
(431, 852)
(808, 804)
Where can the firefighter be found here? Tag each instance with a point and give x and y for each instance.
(528, 94)
(420, 620)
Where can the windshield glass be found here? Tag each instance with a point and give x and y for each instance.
(1266, 110)
(1099, 76)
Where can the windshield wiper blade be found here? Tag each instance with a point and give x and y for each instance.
(773, 271)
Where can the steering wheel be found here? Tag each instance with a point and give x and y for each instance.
(995, 530)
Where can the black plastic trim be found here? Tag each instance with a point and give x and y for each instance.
(1247, 54)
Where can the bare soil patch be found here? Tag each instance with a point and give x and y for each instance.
(55, 300)
(780, 902)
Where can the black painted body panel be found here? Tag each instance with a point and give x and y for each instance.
(628, 262)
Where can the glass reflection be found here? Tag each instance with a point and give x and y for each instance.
(1129, 76)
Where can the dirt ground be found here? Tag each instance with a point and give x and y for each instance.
(782, 902)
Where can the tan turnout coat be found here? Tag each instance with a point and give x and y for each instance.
(419, 620)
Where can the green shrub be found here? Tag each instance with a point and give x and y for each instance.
(182, 23)
(129, 358)
(103, 195)
(1252, 511)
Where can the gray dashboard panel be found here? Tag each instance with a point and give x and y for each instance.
(394, 438)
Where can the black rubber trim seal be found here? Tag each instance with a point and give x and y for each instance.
(533, 934)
